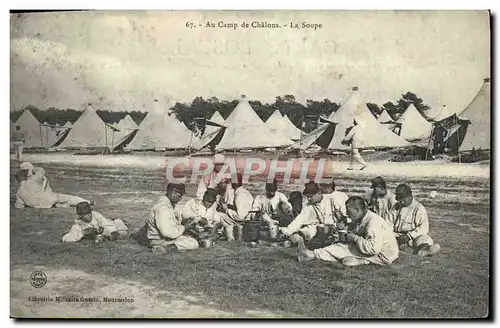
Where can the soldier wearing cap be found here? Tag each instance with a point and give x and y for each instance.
(355, 138)
(381, 200)
(337, 198)
(411, 223)
(369, 240)
(212, 179)
(93, 225)
(165, 230)
(203, 211)
(317, 211)
(273, 207)
(34, 190)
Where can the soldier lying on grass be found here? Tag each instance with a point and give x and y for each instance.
(92, 225)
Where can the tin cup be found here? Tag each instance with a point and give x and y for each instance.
(238, 232)
(323, 230)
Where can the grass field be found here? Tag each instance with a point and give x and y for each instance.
(232, 280)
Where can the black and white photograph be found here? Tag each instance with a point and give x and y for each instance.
(259, 164)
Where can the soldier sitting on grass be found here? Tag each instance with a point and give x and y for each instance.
(370, 240)
(92, 225)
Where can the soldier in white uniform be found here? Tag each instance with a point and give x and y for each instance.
(381, 201)
(203, 211)
(243, 199)
(91, 224)
(18, 140)
(319, 210)
(165, 231)
(370, 240)
(273, 207)
(411, 224)
(35, 191)
(212, 179)
(337, 198)
(355, 138)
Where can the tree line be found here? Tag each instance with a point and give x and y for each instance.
(304, 116)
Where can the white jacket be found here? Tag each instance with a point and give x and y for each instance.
(99, 222)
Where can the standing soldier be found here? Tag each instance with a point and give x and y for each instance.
(18, 140)
(355, 138)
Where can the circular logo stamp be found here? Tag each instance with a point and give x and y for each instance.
(38, 279)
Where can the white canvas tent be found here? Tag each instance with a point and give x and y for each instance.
(216, 118)
(68, 124)
(245, 130)
(214, 130)
(123, 130)
(31, 128)
(374, 134)
(161, 129)
(413, 125)
(478, 112)
(89, 131)
(52, 135)
(128, 123)
(282, 125)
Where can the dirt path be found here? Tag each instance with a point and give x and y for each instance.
(148, 302)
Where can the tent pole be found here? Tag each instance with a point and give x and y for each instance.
(41, 134)
(429, 143)
(106, 134)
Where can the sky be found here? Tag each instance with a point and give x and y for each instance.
(122, 60)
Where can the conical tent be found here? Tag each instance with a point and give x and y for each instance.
(374, 134)
(53, 135)
(413, 125)
(245, 129)
(161, 129)
(68, 124)
(283, 126)
(212, 134)
(31, 128)
(123, 129)
(385, 117)
(89, 131)
(478, 112)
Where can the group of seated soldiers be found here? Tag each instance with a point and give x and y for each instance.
(322, 222)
